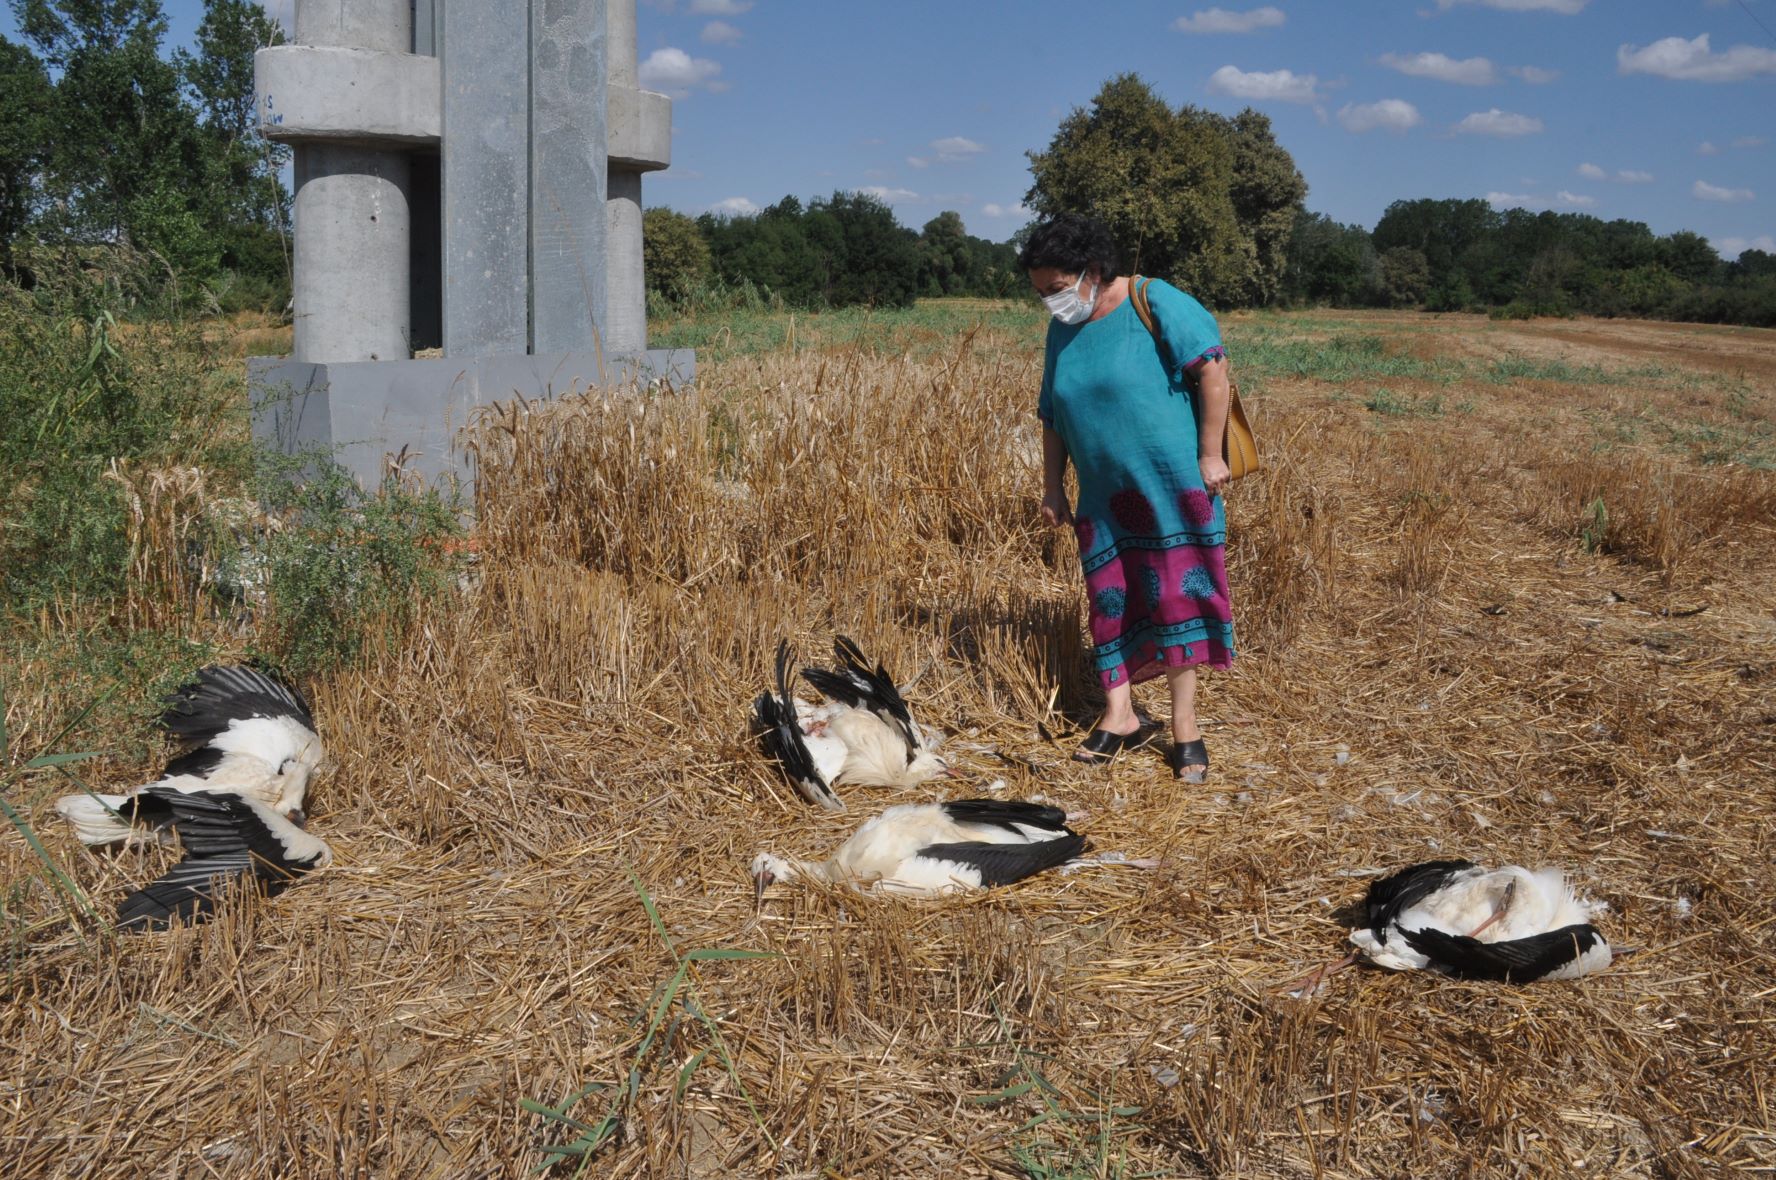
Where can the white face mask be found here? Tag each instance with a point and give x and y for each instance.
(1070, 306)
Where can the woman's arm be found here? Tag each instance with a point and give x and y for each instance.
(1054, 472)
(1212, 398)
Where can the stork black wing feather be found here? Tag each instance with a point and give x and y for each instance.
(857, 685)
(1519, 960)
(1392, 896)
(222, 838)
(203, 709)
(781, 736)
(1007, 813)
(1002, 864)
(197, 763)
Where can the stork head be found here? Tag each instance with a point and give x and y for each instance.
(293, 776)
(768, 869)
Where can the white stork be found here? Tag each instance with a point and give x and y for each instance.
(928, 849)
(254, 735)
(1513, 925)
(864, 734)
(225, 837)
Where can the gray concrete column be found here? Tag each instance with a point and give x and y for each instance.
(625, 293)
(619, 34)
(356, 24)
(353, 269)
(625, 296)
(568, 174)
(352, 281)
(485, 178)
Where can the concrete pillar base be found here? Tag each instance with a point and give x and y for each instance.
(368, 415)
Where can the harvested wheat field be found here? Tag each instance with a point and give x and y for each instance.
(1505, 592)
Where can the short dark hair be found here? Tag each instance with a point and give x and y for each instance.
(1071, 243)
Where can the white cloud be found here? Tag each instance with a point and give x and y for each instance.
(1277, 85)
(1499, 123)
(955, 147)
(720, 32)
(1750, 141)
(1693, 61)
(1734, 247)
(1472, 71)
(675, 73)
(735, 206)
(1707, 149)
(1578, 200)
(1592, 172)
(720, 7)
(1630, 176)
(950, 150)
(1014, 210)
(1564, 7)
(1703, 191)
(1219, 20)
(1534, 75)
(889, 196)
(1394, 114)
(1507, 200)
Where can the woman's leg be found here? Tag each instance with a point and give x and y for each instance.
(1182, 682)
(1119, 709)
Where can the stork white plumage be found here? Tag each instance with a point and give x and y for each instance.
(254, 735)
(1512, 925)
(225, 837)
(863, 735)
(928, 849)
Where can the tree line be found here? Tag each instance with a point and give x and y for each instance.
(106, 141)
(1464, 255)
(1217, 205)
(832, 252)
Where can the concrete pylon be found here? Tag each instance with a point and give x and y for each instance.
(468, 172)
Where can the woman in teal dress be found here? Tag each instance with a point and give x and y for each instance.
(1144, 433)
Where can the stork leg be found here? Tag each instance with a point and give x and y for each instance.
(1498, 912)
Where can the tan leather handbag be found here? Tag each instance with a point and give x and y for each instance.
(1238, 446)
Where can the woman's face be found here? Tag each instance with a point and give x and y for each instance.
(1049, 280)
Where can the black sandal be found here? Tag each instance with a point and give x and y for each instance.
(1184, 754)
(1103, 745)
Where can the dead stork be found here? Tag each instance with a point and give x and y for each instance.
(254, 737)
(1512, 925)
(225, 837)
(928, 849)
(864, 734)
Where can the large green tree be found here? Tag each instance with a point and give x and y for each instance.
(220, 75)
(1204, 200)
(674, 255)
(26, 99)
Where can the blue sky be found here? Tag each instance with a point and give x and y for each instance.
(1662, 111)
(1609, 107)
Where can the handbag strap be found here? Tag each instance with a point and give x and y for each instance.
(1144, 309)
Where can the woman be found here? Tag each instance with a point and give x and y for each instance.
(1147, 445)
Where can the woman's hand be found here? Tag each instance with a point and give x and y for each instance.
(1215, 474)
(1055, 512)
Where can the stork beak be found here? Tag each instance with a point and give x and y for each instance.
(297, 816)
(759, 883)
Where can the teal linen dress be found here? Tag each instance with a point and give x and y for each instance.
(1152, 541)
